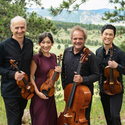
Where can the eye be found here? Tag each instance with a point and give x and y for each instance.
(16, 28)
(74, 38)
(80, 38)
(48, 42)
(22, 27)
(43, 42)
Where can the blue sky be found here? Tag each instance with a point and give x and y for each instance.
(89, 5)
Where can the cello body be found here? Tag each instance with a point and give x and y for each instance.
(82, 98)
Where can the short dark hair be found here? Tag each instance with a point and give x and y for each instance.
(108, 26)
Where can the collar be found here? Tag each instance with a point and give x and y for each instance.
(17, 41)
(80, 52)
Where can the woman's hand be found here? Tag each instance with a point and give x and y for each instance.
(58, 69)
(42, 96)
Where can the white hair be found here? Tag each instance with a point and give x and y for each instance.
(19, 17)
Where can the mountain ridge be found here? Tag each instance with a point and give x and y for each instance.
(80, 16)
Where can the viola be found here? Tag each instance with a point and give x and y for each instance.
(111, 86)
(47, 88)
(27, 88)
(77, 98)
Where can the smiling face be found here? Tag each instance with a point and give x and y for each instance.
(45, 45)
(18, 28)
(107, 37)
(78, 40)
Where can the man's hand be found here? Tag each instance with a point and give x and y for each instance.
(78, 78)
(112, 64)
(19, 76)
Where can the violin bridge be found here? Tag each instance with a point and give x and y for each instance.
(111, 83)
(67, 115)
(28, 87)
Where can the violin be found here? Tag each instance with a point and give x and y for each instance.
(111, 86)
(77, 98)
(47, 88)
(27, 88)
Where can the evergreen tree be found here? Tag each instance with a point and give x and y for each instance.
(36, 25)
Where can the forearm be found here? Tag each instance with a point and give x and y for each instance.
(35, 87)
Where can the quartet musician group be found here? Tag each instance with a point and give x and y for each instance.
(25, 76)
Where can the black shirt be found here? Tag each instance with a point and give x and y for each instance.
(118, 56)
(10, 49)
(89, 70)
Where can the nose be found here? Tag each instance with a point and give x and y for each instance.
(46, 44)
(19, 30)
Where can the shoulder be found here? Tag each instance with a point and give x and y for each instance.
(36, 55)
(99, 49)
(118, 49)
(53, 55)
(92, 55)
(4, 43)
(29, 41)
(68, 49)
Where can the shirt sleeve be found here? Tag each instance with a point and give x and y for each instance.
(4, 71)
(121, 64)
(63, 73)
(94, 71)
(35, 58)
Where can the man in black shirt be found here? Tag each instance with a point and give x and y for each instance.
(111, 102)
(89, 72)
(20, 49)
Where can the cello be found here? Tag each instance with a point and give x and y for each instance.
(77, 98)
(27, 88)
(111, 86)
(47, 88)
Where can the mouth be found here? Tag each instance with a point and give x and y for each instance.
(107, 40)
(45, 48)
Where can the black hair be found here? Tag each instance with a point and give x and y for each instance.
(41, 37)
(108, 26)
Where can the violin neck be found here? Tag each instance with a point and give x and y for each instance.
(111, 70)
(24, 80)
(54, 76)
(69, 103)
(111, 74)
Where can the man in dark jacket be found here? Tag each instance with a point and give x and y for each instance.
(20, 49)
(111, 102)
(89, 72)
